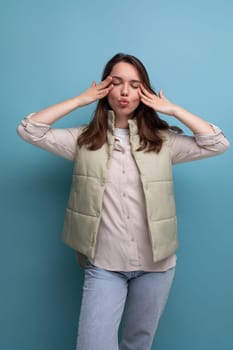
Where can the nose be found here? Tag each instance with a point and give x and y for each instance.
(125, 90)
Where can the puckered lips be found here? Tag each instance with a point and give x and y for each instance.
(123, 102)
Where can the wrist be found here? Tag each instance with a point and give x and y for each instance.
(177, 111)
(76, 102)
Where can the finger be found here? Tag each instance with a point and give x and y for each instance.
(104, 92)
(142, 94)
(146, 92)
(146, 98)
(143, 89)
(161, 95)
(93, 84)
(106, 82)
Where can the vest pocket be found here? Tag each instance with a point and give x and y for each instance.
(161, 203)
(86, 196)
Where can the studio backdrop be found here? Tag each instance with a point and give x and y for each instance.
(53, 50)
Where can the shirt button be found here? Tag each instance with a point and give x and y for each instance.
(124, 194)
(128, 217)
(123, 171)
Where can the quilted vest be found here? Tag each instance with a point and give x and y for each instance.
(87, 190)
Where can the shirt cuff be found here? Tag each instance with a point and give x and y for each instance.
(35, 128)
(210, 139)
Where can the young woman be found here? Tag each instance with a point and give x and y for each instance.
(121, 216)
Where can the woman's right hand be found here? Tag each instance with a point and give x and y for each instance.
(52, 113)
(95, 92)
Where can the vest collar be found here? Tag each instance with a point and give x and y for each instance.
(133, 127)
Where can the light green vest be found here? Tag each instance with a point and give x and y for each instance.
(86, 197)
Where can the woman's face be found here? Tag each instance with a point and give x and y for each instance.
(124, 97)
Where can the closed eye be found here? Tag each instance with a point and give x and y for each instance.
(116, 81)
(135, 84)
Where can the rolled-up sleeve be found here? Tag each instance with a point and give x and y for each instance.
(188, 148)
(62, 142)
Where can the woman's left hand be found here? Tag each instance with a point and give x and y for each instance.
(162, 105)
(158, 103)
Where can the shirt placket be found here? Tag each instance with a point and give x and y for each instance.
(132, 249)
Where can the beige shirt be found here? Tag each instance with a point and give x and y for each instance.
(123, 242)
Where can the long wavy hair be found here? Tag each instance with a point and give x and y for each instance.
(148, 121)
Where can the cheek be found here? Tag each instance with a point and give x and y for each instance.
(112, 96)
(136, 97)
(113, 93)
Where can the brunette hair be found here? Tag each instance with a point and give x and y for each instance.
(148, 121)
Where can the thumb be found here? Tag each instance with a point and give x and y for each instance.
(161, 95)
(93, 84)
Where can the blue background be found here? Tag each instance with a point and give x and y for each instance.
(53, 50)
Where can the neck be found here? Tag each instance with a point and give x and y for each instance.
(122, 122)
(122, 125)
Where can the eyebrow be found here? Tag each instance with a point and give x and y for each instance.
(132, 81)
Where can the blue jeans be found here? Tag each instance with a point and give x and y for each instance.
(140, 295)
